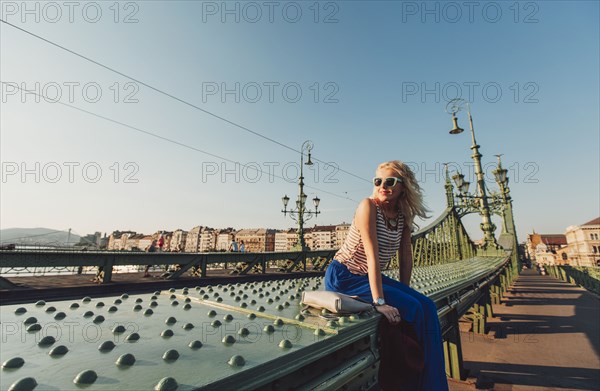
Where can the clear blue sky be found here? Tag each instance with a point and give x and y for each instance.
(374, 81)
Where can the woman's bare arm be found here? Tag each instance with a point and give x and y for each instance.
(366, 222)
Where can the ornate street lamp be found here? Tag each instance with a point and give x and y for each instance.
(300, 213)
(473, 202)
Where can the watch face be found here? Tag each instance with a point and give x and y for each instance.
(380, 301)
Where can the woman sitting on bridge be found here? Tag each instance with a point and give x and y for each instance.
(381, 226)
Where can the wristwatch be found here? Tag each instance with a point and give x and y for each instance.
(379, 301)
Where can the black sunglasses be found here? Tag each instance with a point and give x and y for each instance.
(387, 182)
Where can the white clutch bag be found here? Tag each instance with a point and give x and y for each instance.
(337, 303)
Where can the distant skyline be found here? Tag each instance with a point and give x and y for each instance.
(365, 81)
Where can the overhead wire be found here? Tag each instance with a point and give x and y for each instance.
(160, 91)
(167, 139)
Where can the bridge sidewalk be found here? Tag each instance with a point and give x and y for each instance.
(547, 337)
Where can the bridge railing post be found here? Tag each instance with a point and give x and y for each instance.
(453, 348)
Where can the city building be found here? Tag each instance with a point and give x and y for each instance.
(583, 244)
(208, 240)
(544, 243)
(144, 242)
(341, 232)
(178, 240)
(257, 240)
(224, 238)
(118, 239)
(321, 237)
(286, 240)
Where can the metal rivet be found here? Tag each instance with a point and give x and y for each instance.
(86, 299)
(118, 329)
(99, 319)
(153, 304)
(269, 329)
(88, 314)
(60, 350)
(212, 313)
(251, 316)
(319, 332)
(299, 317)
(51, 309)
(195, 344)
(99, 304)
(243, 332)
(126, 359)
(40, 303)
(171, 355)
(15, 362)
(60, 316)
(30, 320)
(285, 344)
(261, 309)
(46, 341)
(172, 290)
(86, 377)
(34, 327)
(228, 340)
(187, 306)
(24, 384)
(148, 312)
(188, 326)
(112, 309)
(137, 307)
(166, 384)
(171, 320)
(216, 323)
(278, 322)
(117, 301)
(228, 318)
(237, 361)
(124, 296)
(132, 337)
(106, 346)
(139, 300)
(280, 307)
(167, 333)
(20, 310)
(174, 303)
(74, 305)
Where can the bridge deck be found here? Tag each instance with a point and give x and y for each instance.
(547, 337)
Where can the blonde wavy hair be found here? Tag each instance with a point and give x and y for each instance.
(410, 202)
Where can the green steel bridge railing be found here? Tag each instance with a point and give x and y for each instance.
(462, 280)
(587, 277)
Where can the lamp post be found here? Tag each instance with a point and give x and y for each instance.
(301, 213)
(480, 200)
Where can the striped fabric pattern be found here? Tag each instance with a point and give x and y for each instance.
(352, 253)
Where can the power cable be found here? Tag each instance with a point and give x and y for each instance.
(170, 95)
(169, 140)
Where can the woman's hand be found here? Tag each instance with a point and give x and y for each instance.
(391, 313)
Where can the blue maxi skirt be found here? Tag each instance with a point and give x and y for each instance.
(414, 307)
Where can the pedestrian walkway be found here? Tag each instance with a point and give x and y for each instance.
(547, 337)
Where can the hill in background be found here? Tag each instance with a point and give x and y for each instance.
(37, 237)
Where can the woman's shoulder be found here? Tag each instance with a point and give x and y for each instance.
(366, 207)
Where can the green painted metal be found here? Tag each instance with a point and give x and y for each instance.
(586, 277)
(14, 262)
(200, 337)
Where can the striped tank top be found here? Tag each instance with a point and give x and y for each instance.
(352, 253)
